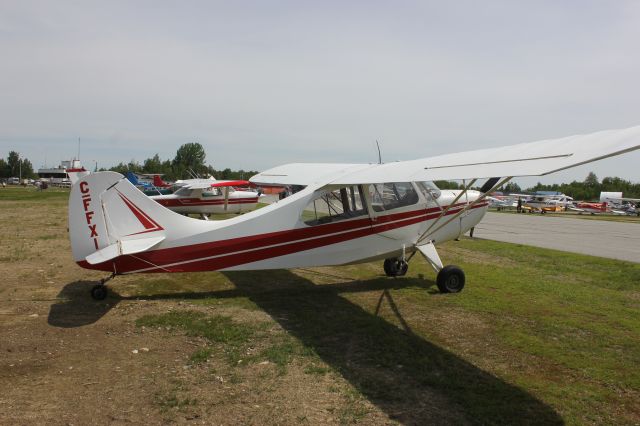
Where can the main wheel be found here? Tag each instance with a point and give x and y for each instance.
(450, 279)
(99, 292)
(395, 267)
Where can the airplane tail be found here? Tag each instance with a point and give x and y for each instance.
(157, 181)
(76, 174)
(109, 217)
(133, 178)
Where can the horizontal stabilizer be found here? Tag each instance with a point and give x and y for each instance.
(122, 247)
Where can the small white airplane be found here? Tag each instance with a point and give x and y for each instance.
(346, 213)
(508, 202)
(620, 204)
(209, 196)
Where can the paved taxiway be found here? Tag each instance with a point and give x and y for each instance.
(616, 240)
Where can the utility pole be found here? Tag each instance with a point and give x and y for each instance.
(20, 168)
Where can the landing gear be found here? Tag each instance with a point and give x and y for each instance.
(450, 279)
(99, 291)
(395, 267)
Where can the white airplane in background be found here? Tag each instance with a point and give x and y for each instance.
(209, 196)
(346, 213)
(509, 201)
(620, 204)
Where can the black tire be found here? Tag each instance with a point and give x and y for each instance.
(99, 292)
(395, 267)
(450, 279)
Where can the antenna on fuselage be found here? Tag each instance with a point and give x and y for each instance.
(379, 154)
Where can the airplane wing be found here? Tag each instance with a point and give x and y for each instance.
(527, 159)
(305, 173)
(207, 183)
(223, 183)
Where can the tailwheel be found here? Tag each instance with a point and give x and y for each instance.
(450, 279)
(395, 267)
(99, 292)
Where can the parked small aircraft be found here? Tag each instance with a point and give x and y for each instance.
(159, 183)
(146, 187)
(346, 213)
(624, 207)
(205, 197)
(593, 208)
(507, 202)
(549, 202)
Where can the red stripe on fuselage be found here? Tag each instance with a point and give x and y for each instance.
(260, 247)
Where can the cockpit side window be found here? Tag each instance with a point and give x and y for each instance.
(183, 192)
(389, 196)
(339, 204)
(211, 192)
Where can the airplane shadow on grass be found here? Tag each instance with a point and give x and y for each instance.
(75, 307)
(411, 379)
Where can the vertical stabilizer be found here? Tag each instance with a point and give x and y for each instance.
(109, 217)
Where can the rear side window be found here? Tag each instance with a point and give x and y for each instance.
(340, 204)
(211, 192)
(389, 196)
(183, 192)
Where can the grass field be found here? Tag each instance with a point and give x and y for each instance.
(536, 337)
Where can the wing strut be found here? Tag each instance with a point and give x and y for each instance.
(466, 208)
(443, 212)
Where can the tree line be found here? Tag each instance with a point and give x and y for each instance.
(14, 166)
(188, 162)
(588, 189)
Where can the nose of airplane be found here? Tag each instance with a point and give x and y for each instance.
(463, 197)
(472, 195)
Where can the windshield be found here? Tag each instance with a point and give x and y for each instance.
(430, 190)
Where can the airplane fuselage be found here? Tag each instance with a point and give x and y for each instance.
(290, 233)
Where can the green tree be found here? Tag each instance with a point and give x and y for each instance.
(189, 156)
(132, 166)
(511, 187)
(226, 174)
(27, 169)
(591, 181)
(446, 184)
(13, 163)
(4, 169)
(152, 165)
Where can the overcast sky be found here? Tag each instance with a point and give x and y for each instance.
(263, 83)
